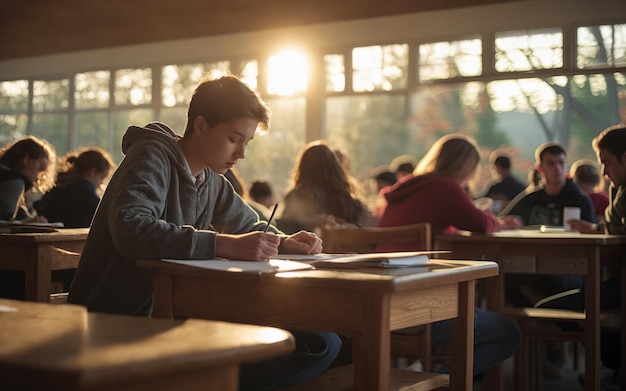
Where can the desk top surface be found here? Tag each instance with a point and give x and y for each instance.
(437, 272)
(66, 343)
(532, 236)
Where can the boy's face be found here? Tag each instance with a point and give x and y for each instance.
(553, 168)
(220, 147)
(613, 168)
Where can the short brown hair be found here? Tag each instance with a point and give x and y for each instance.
(226, 99)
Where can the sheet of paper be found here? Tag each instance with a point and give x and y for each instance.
(272, 266)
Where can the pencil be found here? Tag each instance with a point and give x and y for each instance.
(271, 217)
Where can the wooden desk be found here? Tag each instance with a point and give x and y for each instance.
(62, 347)
(365, 304)
(533, 252)
(37, 254)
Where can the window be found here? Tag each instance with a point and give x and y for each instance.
(601, 46)
(380, 68)
(92, 89)
(446, 60)
(50, 112)
(13, 109)
(528, 50)
(133, 87)
(335, 71)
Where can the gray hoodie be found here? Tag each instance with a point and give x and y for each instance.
(153, 208)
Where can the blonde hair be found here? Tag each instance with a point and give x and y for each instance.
(453, 155)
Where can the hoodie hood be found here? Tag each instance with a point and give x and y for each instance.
(156, 135)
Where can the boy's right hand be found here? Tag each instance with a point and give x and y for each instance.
(251, 246)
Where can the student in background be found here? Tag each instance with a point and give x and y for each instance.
(239, 185)
(436, 194)
(403, 166)
(545, 204)
(586, 175)
(169, 199)
(74, 199)
(505, 186)
(610, 147)
(25, 164)
(321, 192)
(261, 193)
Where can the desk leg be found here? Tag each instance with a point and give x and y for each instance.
(38, 275)
(371, 348)
(163, 298)
(462, 335)
(592, 325)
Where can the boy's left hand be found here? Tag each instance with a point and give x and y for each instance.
(302, 242)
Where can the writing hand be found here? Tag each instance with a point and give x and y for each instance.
(303, 243)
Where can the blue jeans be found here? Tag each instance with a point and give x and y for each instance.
(496, 338)
(314, 353)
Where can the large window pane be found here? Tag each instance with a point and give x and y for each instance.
(178, 83)
(121, 121)
(54, 128)
(133, 87)
(92, 129)
(380, 67)
(335, 71)
(12, 126)
(445, 60)
(601, 46)
(92, 89)
(14, 96)
(250, 73)
(528, 50)
(370, 128)
(271, 156)
(175, 117)
(51, 95)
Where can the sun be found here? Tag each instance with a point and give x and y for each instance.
(287, 73)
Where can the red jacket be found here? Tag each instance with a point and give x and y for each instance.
(439, 200)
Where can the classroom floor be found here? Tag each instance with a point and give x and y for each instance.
(568, 380)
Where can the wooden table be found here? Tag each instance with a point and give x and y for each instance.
(365, 304)
(37, 254)
(534, 252)
(62, 347)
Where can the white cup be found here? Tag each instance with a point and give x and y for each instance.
(570, 213)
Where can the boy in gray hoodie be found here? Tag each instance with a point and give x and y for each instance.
(169, 199)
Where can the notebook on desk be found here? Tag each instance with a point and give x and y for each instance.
(15, 227)
(381, 260)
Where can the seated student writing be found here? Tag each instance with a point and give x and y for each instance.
(169, 199)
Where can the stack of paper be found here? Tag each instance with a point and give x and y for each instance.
(20, 227)
(395, 259)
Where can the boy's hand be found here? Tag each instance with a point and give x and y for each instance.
(303, 243)
(583, 226)
(251, 246)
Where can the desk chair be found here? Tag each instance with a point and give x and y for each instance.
(364, 240)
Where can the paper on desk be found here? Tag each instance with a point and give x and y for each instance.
(385, 260)
(20, 227)
(272, 266)
(6, 308)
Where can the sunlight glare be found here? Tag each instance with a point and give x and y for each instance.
(287, 73)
